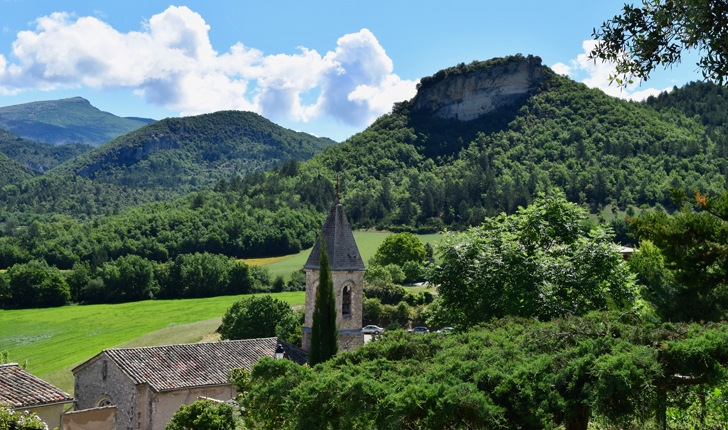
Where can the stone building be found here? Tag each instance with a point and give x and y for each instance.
(148, 385)
(347, 274)
(26, 392)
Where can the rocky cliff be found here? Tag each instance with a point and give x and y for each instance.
(128, 155)
(467, 92)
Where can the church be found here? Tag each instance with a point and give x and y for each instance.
(347, 274)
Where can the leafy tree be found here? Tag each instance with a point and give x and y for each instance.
(400, 248)
(129, 279)
(541, 262)
(324, 331)
(78, 278)
(36, 284)
(260, 316)
(692, 244)
(204, 414)
(512, 373)
(643, 38)
(200, 275)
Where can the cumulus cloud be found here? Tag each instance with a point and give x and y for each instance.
(597, 75)
(170, 62)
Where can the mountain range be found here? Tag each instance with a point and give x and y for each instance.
(60, 122)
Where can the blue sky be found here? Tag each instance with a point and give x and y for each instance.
(324, 67)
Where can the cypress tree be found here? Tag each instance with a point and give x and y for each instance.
(324, 333)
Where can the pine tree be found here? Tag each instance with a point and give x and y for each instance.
(324, 333)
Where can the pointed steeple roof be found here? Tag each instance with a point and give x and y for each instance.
(340, 245)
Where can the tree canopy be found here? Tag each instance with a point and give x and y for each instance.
(544, 261)
(399, 249)
(657, 33)
(260, 316)
(692, 243)
(512, 373)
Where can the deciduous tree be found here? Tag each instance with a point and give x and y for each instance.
(657, 33)
(542, 262)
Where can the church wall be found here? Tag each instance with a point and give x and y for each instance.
(91, 386)
(165, 404)
(350, 335)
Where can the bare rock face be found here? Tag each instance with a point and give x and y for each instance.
(128, 155)
(466, 96)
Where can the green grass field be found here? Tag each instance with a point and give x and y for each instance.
(54, 340)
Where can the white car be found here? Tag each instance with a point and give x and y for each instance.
(372, 329)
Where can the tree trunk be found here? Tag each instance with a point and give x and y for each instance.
(579, 420)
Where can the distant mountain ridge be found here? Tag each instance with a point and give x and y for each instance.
(72, 120)
(38, 156)
(187, 153)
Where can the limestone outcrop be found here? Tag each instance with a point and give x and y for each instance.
(466, 95)
(128, 155)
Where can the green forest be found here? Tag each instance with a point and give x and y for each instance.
(406, 172)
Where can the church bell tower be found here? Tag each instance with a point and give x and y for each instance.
(347, 274)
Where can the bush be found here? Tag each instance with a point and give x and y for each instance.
(36, 284)
(260, 316)
(203, 415)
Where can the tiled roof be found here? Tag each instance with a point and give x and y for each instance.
(20, 389)
(340, 245)
(173, 367)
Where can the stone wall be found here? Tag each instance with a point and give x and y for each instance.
(470, 95)
(349, 326)
(91, 386)
(165, 404)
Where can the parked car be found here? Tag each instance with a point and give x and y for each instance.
(445, 330)
(419, 330)
(372, 329)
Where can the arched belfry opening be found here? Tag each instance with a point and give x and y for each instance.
(347, 272)
(346, 301)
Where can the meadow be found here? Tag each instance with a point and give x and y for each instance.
(367, 241)
(55, 340)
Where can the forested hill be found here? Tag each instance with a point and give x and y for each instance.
(188, 153)
(704, 99)
(65, 121)
(38, 156)
(12, 172)
(414, 170)
(417, 168)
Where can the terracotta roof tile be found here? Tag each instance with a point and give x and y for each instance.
(20, 389)
(173, 367)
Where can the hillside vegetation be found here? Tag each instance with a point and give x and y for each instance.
(38, 156)
(190, 152)
(65, 121)
(12, 171)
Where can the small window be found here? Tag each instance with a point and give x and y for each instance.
(104, 370)
(103, 401)
(346, 300)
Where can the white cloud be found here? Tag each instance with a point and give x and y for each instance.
(172, 63)
(597, 75)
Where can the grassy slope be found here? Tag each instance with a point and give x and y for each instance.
(367, 241)
(65, 121)
(56, 339)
